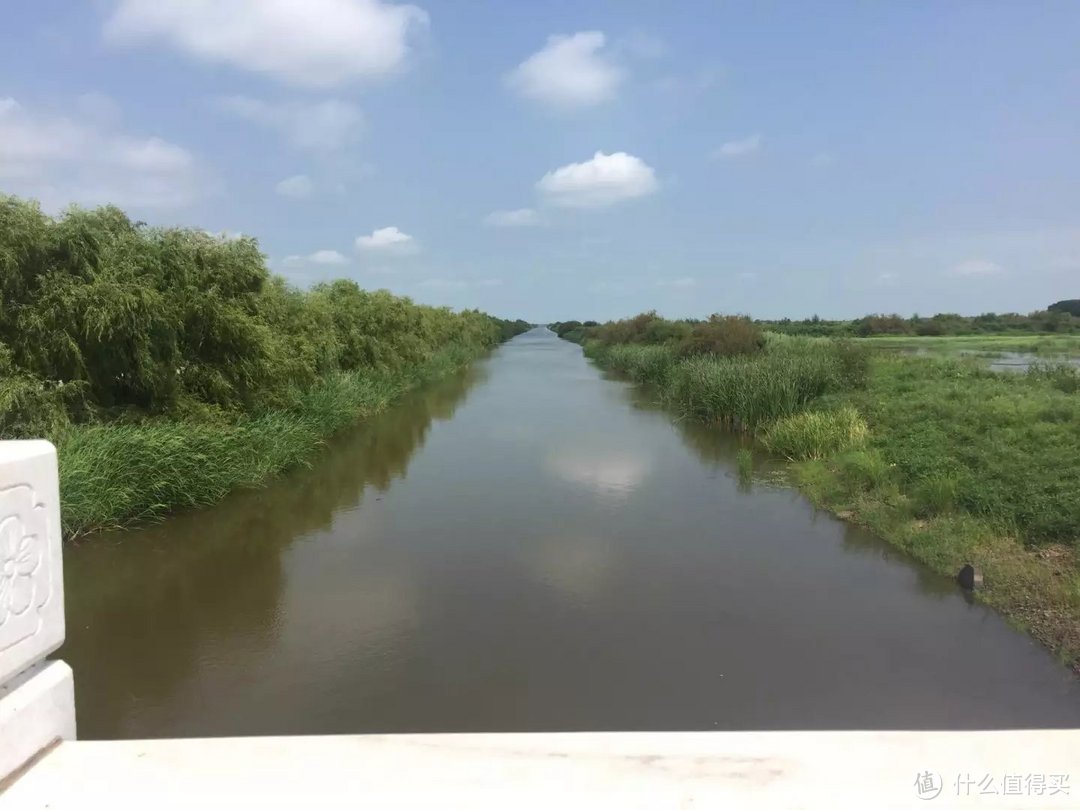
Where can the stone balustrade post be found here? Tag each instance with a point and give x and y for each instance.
(37, 697)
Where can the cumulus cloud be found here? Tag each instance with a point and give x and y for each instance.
(604, 180)
(59, 160)
(739, 148)
(322, 126)
(307, 43)
(298, 187)
(519, 217)
(568, 72)
(320, 257)
(976, 267)
(389, 239)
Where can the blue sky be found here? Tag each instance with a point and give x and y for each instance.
(577, 159)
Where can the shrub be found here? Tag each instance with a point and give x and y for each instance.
(724, 336)
(817, 434)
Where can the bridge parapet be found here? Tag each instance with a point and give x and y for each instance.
(37, 696)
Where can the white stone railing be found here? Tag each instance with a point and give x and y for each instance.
(37, 697)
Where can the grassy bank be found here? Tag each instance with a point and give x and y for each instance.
(170, 366)
(942, 457)
(116, 475)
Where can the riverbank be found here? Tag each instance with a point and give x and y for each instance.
(943, 458)
(114, 476)
(170, 366)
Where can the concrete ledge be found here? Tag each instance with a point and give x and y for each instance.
(619, 770)
(37, 708)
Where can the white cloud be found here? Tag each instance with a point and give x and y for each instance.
(59, 160)
(682, 283)
(308, 43)
(327, 257)
(320, 126)
(736, 149)
(976, 267)
(569, 71)
(389, 239)
(298, 187)
(517, 218)
(601, 181)
(320, 257)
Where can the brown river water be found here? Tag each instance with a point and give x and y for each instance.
(530, 545)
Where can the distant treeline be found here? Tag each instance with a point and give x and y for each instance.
(104, 319)
(1062, 317)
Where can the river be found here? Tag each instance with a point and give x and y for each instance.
(530, 545)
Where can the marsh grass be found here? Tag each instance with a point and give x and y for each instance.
(648, 365)
(816, 434)
(744, 461)
(749, 392)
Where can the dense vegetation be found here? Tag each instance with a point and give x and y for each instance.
(169, 366)
(1061, 318)
(952, 461)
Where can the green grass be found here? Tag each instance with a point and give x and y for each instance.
(744, 462)
(116, 475)
(1007, 444)
(651, 365)
(816, 434)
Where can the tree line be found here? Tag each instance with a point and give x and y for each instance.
(107, 319)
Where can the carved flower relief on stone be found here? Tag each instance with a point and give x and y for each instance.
(25, 575)
(19, 559)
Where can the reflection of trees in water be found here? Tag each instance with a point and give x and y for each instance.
(713, 444)
(146, 607)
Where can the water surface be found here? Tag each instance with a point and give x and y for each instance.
(530, 545)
